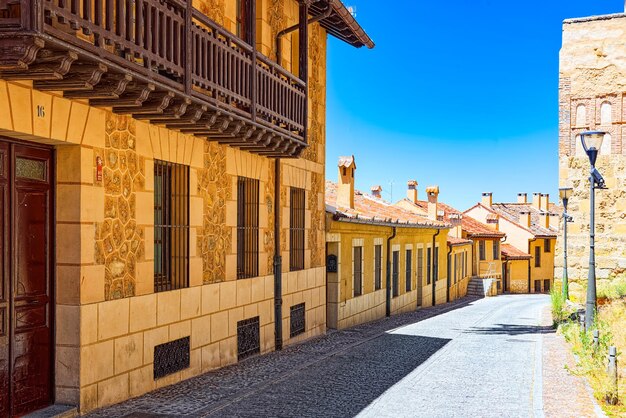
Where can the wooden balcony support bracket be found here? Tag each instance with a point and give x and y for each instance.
(111, 86)
(81, 77)
(176, 109)
(51, 65)
(159, 101)
(133, 97)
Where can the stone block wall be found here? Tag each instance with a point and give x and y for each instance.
(592, 87)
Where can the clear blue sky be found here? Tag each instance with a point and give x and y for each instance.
(461, 93)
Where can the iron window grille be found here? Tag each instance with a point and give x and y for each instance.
(420, 267)
(358, 270)
(171, 226)
(378, 262)
(546, 245)
(409, 271)
(394, 274)
(429, 262)
(248, 337)
(171, 357)
(296, 229)
(481, 250)
(297, 324)
(537, 256)
(496, 250)
(247, 228)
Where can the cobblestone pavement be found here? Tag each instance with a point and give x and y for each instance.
(470, 358)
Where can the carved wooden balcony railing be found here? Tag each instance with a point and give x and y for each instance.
(160, 61)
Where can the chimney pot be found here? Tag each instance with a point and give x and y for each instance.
(487, 199)
(376, 191)
(433, 196)
(411, 192)
(525, 219)
(345, 183)
(536, 201)
(522, 198)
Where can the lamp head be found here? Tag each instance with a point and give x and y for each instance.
(592, 141)
(565, 193)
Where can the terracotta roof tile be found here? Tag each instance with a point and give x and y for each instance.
(512, 212)
(458, 241)
(478, 229)
(375, 210)
(509, 252)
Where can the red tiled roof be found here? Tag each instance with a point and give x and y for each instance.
(346, 161)
(478, 229)
(458, 241)
(512, 211)
(423, 206)
(509, 252)
(370, 209)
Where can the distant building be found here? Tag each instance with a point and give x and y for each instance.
(592, 97)
(531, 228)
(386, 259)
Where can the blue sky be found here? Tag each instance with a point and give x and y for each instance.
(462, 94)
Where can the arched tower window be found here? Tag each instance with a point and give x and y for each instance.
(605, 114)
(581, 115)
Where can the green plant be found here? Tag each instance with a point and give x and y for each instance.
(559, 312)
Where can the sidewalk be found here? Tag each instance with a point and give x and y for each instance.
(209, 393)
(564, 395)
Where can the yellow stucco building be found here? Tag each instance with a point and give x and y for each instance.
(164, 176)
(381, 259)
(530, 227)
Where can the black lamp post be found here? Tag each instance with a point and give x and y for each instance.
(592, 141)
(565, 193)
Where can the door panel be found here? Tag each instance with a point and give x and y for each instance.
(25, 279)
(5, 355)
(31, 353)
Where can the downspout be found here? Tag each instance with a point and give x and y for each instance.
(529, 268)
(278, 262)
(279, 35)
(434, 281)
(388, 275)
(448, 259)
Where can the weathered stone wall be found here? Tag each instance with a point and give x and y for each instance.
(592, 89)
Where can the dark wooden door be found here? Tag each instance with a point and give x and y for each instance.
(26, 305)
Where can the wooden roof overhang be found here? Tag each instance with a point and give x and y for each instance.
(340, 23)
(159, 61)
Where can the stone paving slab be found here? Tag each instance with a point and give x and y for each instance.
(361, 364)
(564, 394)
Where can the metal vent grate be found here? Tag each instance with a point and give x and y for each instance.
(171, 357)
(248, 338)
(297, 321)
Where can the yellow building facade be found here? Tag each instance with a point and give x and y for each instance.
(385, 260)
(531, 227)
(158, 220)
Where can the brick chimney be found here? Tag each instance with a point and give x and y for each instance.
(345, 183)
(411, 192)
(522, 198)
(544, 220)
(524, 218)
(487, 199)
(545, 201)
(376, 191)
(536, 201)
(433, 194)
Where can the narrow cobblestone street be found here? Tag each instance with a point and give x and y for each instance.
(470, 358)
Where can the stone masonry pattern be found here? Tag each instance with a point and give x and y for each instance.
(119, 241)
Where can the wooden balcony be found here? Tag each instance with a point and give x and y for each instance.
(158, 60)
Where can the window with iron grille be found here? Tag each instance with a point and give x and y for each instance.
(378, 266)
(420, 267)
(537, 256)
(247, 228)
(436, 265)
(429, 262)
(409, 272)
(171, 226)
(481, 250)
(296, 229)
(296, 320)
(394, 275)
(546, 245)
(496, 250)
(358, 270)
(248, 337)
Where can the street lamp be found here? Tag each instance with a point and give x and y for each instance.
(565, 193)
(592, 141)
